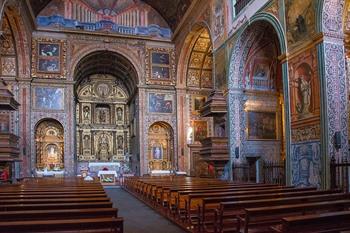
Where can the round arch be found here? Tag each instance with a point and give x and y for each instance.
(236, 97)
(126, 53)
(186, 50)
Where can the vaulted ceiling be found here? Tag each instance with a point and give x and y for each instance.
(171, 10)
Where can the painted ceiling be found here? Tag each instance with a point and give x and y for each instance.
(171, 10)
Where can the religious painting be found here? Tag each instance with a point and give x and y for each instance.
(49, 58)
(160, 103)
(304, 87)
(48, 65)
(50, 98)
(261, 125)
(300, 19)
(160, 58)
(200, 130)
(160, 66)
(160, 72)
(198, 102)
(157, 152)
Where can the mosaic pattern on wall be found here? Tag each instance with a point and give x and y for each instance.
(306, 164)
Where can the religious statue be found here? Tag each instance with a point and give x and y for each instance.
(119, 114)
(120, 142)
(86, 142)
(86, 112)
(103, 147)
(157, 152)
(102, 116)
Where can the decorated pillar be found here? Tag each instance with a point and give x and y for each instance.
(334, 93)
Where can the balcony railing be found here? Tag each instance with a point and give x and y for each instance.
(340, 172)
(240, 4)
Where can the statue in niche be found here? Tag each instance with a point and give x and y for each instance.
(120, 142)
(86, 112)
(52, 157)
(103, 147)
(86, 142)
(102, 116)
(119, 114)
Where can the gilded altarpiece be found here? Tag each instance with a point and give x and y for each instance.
(49, 141)
(101, 112)
(160, 147)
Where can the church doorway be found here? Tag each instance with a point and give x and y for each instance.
(49, 144)
(105, 94)
(161, 147)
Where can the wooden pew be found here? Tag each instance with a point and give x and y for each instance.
(57, 214)
(91, 225)
(315, 223)
(272, 215)
(65, 205)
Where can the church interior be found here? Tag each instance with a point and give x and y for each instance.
(174, 116)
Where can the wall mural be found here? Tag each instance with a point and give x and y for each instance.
(306, 164)
(49, 142)
(102, 116)
(261, 125)
(300, 19)
(49, 98)
(304, 86)
(49, 58)
(160, 103)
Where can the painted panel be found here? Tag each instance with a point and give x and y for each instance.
(306, 164)
(49, 98)
(160, 103)
(261, 125)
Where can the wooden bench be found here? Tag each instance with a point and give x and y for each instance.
(77, 225)
(272, 215)
(316, 223)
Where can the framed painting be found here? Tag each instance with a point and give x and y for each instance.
(160, 66)
(160, 72)
(49, 58)
(49, 98)
(261, 125)
(200, 130)
(197, 103)
(160, 58)
(160, 103)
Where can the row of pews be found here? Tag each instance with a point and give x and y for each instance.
(57, 205)
(209, 205)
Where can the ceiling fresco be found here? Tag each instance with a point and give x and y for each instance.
(171, 10)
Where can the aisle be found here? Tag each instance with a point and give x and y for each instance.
(138, 217)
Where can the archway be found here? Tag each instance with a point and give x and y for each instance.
(258, 91)
(106, 113)
(196, 76)
(161, 147)
(49, 145)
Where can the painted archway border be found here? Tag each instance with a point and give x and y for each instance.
(235, 97)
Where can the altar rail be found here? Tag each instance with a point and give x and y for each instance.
(340, 171)
(272, 172)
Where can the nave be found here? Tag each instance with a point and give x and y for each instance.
(138, 217)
